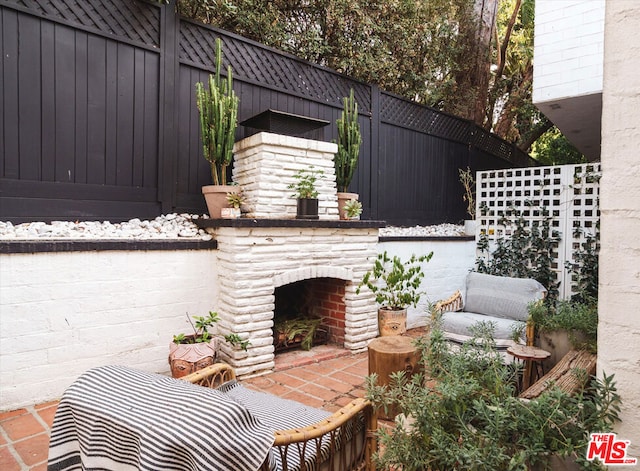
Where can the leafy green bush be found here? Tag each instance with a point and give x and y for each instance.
(395, 283)
(527, 252)
(573, 316)
(584, 271)
(465, 415)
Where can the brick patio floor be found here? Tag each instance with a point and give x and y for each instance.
(326, 377)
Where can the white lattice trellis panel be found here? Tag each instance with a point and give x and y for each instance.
(569, 193)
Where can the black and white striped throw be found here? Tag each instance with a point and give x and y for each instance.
(117, 418)
(282, 414)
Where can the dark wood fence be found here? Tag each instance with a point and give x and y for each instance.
(98, 118)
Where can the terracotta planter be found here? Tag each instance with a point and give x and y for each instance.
(392, 322)
(342, 199)
(307, 208)
(185, 358)
(216, 198)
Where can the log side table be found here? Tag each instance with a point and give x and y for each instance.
(532, 358)
(390, 354)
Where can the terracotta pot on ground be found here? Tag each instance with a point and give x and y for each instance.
(186, 358)
(342, 199)
(216, 198)
(392, 322)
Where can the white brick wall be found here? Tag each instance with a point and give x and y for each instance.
(255, 261)
(63, 313)
(569, 44)
(619, 290)
(265, 164)
(443, 275)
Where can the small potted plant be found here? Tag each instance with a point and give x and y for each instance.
(218, 112)
(396, 286)
(352, 209)
(235, 200)
(306, 193)
(192, 352)
(346, 160)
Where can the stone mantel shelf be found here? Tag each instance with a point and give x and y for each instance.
(293, 223)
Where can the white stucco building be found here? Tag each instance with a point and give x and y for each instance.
(586, 81)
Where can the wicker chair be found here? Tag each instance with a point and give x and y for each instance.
(346, 439)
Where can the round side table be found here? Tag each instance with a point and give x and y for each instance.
(390, 354)
(532, 358)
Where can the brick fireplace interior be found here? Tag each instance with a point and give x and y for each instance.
(318, 298)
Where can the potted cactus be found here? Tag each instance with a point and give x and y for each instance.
(218, 111)
(346, 160)
(352, 209)
(235, 201)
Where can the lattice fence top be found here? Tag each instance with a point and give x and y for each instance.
(401, 112)
(257, 63)
(135, 21)
(570, 193)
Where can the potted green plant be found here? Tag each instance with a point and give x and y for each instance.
(218, 112)
(396, 286)
(192, 352)
(565, 325)
(468, 182)
(346, 160)
(235, 201)
(306, 193)
(352, 209)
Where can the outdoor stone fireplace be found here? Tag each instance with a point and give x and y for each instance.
(269, 248)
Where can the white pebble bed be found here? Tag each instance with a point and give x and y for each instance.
(440, 230)
(169, 226)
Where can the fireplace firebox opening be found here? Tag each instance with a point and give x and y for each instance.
(317, 302)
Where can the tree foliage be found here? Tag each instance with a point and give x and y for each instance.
(471, 58)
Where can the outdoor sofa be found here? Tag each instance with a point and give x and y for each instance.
(502, 301)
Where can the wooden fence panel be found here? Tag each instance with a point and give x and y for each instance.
(98, 118)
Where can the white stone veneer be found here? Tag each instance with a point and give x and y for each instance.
(252, 262)
(266, 163)
(619, 289)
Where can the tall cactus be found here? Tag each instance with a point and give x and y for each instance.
(349, 141)
(218, 108)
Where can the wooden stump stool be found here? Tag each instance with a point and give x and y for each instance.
(390, 354)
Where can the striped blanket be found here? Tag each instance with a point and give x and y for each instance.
(116, 418)
(282, 414)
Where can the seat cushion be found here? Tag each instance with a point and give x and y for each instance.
(280, 414)
(456, 326)
(501, 296)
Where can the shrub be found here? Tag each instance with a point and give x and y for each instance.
(465, 414)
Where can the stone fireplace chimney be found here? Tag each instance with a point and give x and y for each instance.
(269, 249)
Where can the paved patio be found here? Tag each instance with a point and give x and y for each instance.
(327, 377)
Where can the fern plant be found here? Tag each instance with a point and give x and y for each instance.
(218, 111)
